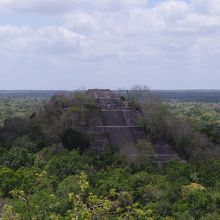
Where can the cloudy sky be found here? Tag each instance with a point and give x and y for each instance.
(70, 44)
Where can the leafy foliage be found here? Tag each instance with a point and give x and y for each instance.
(9, 180)
(42, 178)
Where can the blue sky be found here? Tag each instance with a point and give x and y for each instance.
(70, 44)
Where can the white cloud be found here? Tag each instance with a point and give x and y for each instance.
(43, 40)
(203, 6)
(61, 6)
(102, 35)
(112, 5)
(81, 21)
(40, 6)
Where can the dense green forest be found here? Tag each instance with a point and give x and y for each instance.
(205, 116)
(48, 172)
(20, 107)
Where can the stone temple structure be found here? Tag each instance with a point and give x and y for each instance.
(117, 125)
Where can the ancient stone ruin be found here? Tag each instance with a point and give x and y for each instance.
(117, 126)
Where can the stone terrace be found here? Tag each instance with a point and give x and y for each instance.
(117, 126)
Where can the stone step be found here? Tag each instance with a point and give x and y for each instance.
(118, 109)
(108, 98)
(97, 133)
(165, 158)
(116, 126)
(132, 117)
(164, 149)
(110, 103)
(138, 133)
(99, 145)
(95, 120)
(115, 118)
(164, 153)
(120, 135)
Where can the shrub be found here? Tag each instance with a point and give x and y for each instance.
(17, 157)
(67, 164)
(9, 181)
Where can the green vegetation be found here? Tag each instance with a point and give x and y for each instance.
(17, 107)
(205, 116)
(47, 171)
(191, 129)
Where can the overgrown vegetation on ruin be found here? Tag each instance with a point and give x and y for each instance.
(48, 172)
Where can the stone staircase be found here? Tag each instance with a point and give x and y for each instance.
(117, 125)
(164, 152)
